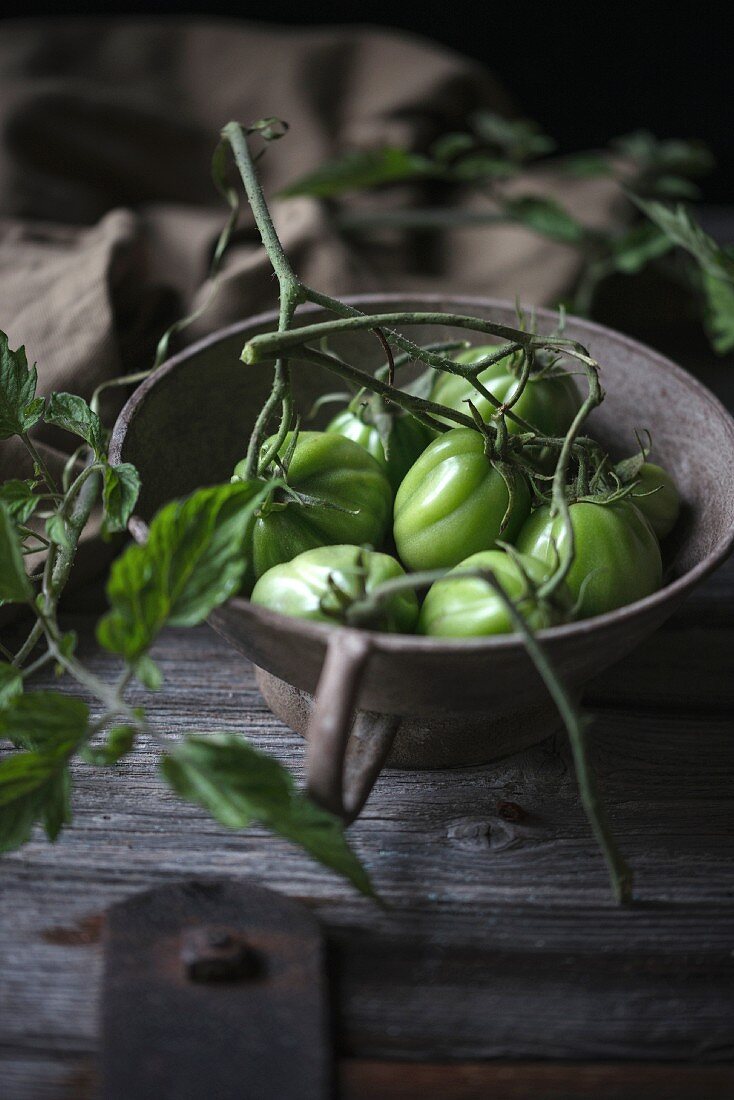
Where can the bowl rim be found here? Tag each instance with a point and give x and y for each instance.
(672, 592)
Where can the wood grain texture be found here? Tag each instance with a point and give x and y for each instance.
(500, 940)
(517, 1081)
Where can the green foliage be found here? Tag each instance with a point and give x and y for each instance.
(716, 266)
(120, 741)
(73, 414)
(194, 559)
(521, 140)
(119, 495)
(719, 313)
(546, 217)
(11, 683)
(679, 225)
(56, 530)
(239, 785)
(44, 720)
(663, 168)
(35, 784)
(482, 168)
(14, 584)
(494, 149)
(356, 171)
(450, 146)
(586, 165)
(633, 250)
(20, 499)
(20, 409)
(148, 673)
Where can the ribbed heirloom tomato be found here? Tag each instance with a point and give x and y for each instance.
(617, 556)
(656, 495)
(548, 403)
(469, 607)
(320, 584)
(407, 439)
(452, 502)
(347, 499)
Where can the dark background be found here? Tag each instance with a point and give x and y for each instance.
(587, 74)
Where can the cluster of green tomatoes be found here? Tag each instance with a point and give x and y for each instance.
(359, 508)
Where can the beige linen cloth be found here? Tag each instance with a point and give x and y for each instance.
(108, 216)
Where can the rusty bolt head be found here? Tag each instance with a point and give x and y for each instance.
(215, 955)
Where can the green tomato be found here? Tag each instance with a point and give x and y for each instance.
(656, 496)
(322, 583)
(408, 439)
(617, 557)
(452, 502)
(351, 501)
(469, 607)
(549, 404)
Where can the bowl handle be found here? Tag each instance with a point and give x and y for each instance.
(345, 755)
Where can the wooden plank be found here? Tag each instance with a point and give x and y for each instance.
(468, 1002)
(361, 1080)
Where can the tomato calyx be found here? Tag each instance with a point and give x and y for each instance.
(357, 608)
(372, 409)
(550, 603)
(336, 601)
(283, 496)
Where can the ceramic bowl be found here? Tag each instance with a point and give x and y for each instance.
(426, 702)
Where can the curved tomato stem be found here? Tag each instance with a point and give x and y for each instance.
(291, 294)
(559, 498)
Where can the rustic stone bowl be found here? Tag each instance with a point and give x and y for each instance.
(425, 702)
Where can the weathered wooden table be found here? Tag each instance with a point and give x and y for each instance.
(501, 966)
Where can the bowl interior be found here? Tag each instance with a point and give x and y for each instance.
(189, 423)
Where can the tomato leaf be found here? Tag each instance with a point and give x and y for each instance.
(148, 673)
(451, 145)
(14, 584)
(238, 785)
(120, 740)
(56, 530)
(56, 809)
(637, 247)
(719, 319)
(669, 156)
(44, 720)
(11, 683)
(19, 497)
(20, 409)
(675, 187)
(34, 786)
(73, 414)
(586, 165)
(683, 230)
(194, 559)
(120, 494)
(480, 166)
(359, 170)
(545, 216)
(520, 139)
